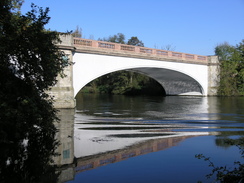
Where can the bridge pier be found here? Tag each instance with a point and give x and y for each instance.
(63, 91)
(213, 73)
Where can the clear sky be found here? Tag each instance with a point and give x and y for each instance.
(190, 26)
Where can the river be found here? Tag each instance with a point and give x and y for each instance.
(148, 139)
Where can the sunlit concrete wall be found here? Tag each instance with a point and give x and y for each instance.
(63, 91)
(88, 67)
(213, 75)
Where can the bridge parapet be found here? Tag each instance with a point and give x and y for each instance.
(87, 44)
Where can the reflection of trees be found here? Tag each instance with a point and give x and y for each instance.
(229, 106)
(227, 109)
(226, 142)
(224, 173)
(30, 63)
(27, 148)
(221, 142)
(27, 137)
(33, 153)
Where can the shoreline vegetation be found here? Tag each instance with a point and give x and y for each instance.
(124, 83)
(231, 75)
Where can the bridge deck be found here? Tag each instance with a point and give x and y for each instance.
(116, 49)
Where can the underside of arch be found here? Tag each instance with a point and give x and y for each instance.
(173, 82)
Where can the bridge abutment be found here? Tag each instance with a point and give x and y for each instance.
(63, 91)
(213, 73)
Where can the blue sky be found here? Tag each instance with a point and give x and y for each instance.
(190, 26)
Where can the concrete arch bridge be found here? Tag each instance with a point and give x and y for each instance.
(178, 73)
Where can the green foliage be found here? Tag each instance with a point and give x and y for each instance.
(12, 5)
(135, 42)
(125, 83)
(224, 51)
(240, 68)
(29, 64)
(119, 38)
(223, 173)
(231, 69)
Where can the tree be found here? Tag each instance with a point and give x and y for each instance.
(240, 68)
(118, 38)
(224, 51)
(135, 42)
(231, 69)
(77, 32)
(29, 64)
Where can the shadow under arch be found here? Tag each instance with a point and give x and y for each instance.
(172, 82)
(147, 85)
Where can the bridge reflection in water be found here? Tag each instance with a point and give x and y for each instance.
(94, 161)
(69, 165)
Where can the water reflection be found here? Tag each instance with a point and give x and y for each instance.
(101, 159)
(108, 129)
(27, 148)
(65, 136)
(95, 149)
(35, 159)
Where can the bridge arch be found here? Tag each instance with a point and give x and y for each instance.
(176, 78)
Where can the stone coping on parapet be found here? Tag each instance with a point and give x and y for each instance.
(123, 50)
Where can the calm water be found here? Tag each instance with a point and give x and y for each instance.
(148, 139)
